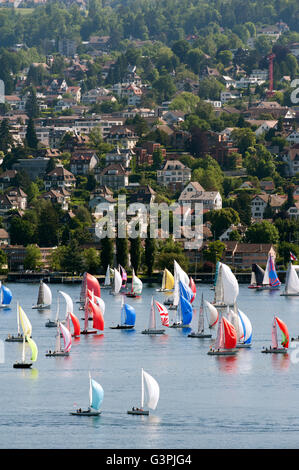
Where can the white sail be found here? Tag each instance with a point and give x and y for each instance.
(230, 285)
(67, 337)
(107, 277)
(236, 322)
(266, 280)
(213, 314)
(274, 334)
(100, 302)
(152, 390)
(136, 284)
(218, 298)
(152, 320)
(69, 302)
(26, 325)
(47, 295)
(253, 279)
(117, 281)
(292, 281)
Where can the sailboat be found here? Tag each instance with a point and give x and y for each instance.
(137, 285)
(213, 314)
(163, 313)
(216, 275)
(44, 298)
(152, 329)
(97, 318)
(226, 340)
(117, 282)
(292, 281)
(21, 315)
(227, 287)
(67, 338)
(257, 276)
(96, 396)
(89, 282)
(153, 393)
(184, 312)
(107, 282)
(127, 317)
(270, 279)
(34, 353)
(167, 282)
(201, 324)
(179, 275)
(54, 323)
(285, 338)
(5, 296)
(124, 276)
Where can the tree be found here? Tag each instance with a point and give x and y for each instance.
(149, 253)
(6, 140)
(262, 232)
(73, 260)
(122, 251)
(214, 251)
(107, 252)
(33, 257)
(157, 158)
(185, 101)
(31, 137)
(222, 219)
(91, 260)
(32, 107)
(22, 232)
(243, 138)
(136, 251)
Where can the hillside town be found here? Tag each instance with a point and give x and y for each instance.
(84, 120)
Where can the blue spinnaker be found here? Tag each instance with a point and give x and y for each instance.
(186, 311)
(130, 315)
(97, 395)
(6, 295)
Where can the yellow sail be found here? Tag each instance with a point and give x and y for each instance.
(26, 325)
(169, 280)
(34, 350)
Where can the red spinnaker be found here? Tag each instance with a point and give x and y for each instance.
(93, 285)
(285, 332)
(230, 334)
(97, 316)
(193, 288)
(76, 324)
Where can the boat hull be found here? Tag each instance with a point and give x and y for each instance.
(274, 351)
(51, 324)
(199, 335)
(41, 307)
(153, 332)
(138, 412)
(179, 325)
(57, 354)
(290, 295)
(89, 332)
(22, 365)
(122, 327)
(85, 413)
(222, 352)
(242, 345)
(15, 339)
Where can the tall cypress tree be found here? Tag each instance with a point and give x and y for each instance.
(31, 138)
(136, 250)
(107, 252)
(32, 107)
(6, 140)
(150, 252)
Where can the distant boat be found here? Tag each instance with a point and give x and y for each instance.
(5, 296)
(167, 282)
(54, 323)
(67, 338)
(270, 279)
(44, 298)
(127, 317)
(285, 338)
(152, 329)
(117, 283)
(226, 340)
(184, 312)
(137, 286)
(200, 333)
(245, 340)
(152, 394)
(97, 318)
(96, 396)
(89, 282)
(107, 282)
(26, 326)
(124, 276)
(23, 364)
(257, 276)
(292, 281)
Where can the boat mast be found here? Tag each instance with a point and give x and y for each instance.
(90, 390)
(142, 389)
(58, 306)
(18, 318)
(58, 342)
(23, 349)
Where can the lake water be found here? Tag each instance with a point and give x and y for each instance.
(247, 401)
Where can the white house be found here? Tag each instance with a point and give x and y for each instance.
(194, 193)
(293, 137)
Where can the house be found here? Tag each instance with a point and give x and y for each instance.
(122, 136)
(226, 96)
(83, 161)
(101, 195)
(17, 253)
(194, 193)
(114, 176)
(293, 212)
(61, 197)
(34, 167)
(4, 237)
(293, 137)
(292, 159)
(267, 186)
(232, 228)
(174, 174)
(7, 178)
(260, 201)
(144, 195)
(243, 255)
(122, 156)
(14, 198)
(59, 178)
(144, 154)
